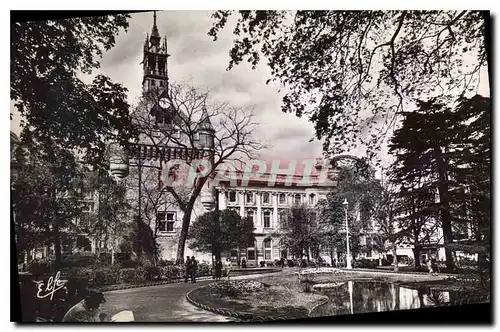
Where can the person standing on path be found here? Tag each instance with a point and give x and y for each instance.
(218, 270)
(194, 267)
(187, 267)
(434, 265)
(228, 267)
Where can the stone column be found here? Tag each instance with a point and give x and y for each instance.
(258, 216)
(241, 197)
(274, 219)
(222, 200)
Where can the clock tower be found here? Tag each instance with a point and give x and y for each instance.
(155, 61)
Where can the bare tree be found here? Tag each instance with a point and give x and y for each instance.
(201, 136)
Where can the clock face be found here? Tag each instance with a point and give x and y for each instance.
(164, 103)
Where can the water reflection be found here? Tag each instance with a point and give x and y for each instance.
(356, 297)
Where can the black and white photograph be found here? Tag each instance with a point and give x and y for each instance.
(244, 166)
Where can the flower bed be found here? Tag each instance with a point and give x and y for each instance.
(254, 298)
(328, 285)
(319, 270)
(233, 287)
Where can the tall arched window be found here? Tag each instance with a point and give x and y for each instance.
(282, 199)
(267, 219)
(312, 199)
(232, 197)
(265, 198)
(250, 214)
(249, 198)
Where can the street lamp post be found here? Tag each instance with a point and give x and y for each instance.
(348, 255)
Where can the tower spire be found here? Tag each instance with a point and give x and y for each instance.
(155, 35)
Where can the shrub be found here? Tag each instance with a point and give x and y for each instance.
(234, 288)
(306, 282)
(40, 267)
(128, 264)
(106, 276)
(152, 272)
(82, 260)
(141, 274)
(172, 272)
(290, 263)
(128, 275)
(203, 270)
(365, 264)
(97, 276)
(162, 262)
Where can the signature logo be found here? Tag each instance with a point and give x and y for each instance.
(53, 285)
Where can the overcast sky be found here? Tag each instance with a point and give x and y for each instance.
(196, 58)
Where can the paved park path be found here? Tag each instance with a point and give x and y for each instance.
(163, 303)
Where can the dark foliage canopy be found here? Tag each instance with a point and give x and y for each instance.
(57, 108)
(221, 231)
(353, 72)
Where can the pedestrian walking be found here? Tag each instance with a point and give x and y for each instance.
(194, 267)
(187, 267)
(228, 267)
(218, 270)
(434, 265)
(282, 262)
(429, 266)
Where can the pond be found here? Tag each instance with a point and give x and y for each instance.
(355, 297)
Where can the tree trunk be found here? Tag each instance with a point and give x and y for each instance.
(217, 255)
(421, 298)
(395, 256)
(154, 251)
(186, 220)
(331, 256)
(397, 302)
(416, 255)
(57, 245)
(445, 205)
(238, 255)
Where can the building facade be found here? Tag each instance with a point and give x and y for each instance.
(266, 199)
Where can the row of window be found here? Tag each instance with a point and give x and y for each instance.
(266, 198)
(266, 216)
(267, 244)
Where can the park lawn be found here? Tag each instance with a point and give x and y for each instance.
(277, 300)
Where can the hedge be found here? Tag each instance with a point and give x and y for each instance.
(105, 276)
